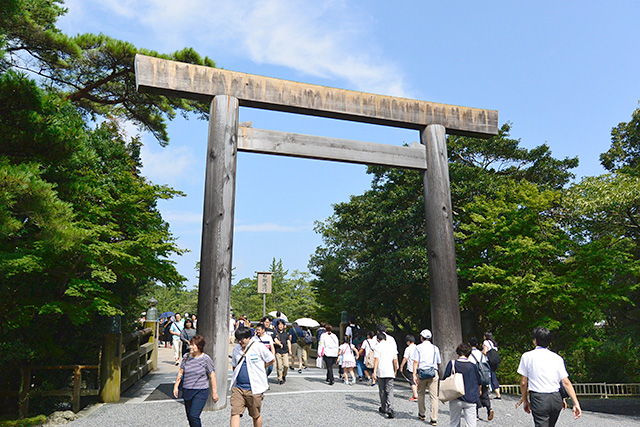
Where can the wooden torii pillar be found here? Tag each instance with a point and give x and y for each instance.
(228, 90)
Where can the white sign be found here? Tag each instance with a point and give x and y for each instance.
(264, 282)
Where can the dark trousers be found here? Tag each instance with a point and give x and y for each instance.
(329, 361)
(194, 401)
(494, 381)
(485, 398)
(385, 390)
(545, 408)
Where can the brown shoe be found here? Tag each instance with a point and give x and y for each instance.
(490, 417)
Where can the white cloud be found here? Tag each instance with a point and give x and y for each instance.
(181, 217)
(168, 165)
(333, 39)
(271, 227)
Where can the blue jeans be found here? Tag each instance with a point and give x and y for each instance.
(269, 369)
(194, 401)
(361, 368)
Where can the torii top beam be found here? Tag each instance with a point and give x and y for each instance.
(173, 78)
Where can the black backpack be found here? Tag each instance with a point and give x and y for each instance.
(494, 359)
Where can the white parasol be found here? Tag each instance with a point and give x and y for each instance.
(307, 322)
(282, 316)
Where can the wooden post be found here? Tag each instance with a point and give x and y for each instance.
(110, 369)
(25, 387)
(443, 279)
(153, 324)
(217, 239)
(75, 398)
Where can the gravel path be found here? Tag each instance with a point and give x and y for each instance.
(305, 400)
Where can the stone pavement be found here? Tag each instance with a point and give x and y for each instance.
(306, 400)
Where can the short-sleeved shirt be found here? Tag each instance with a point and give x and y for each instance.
(256, 356)
(266, 340)
(296, 332)
(385, 352)
(348, 355)
(283, 337)
(329, 342)
(391, 340)
(271, 332)
(408, 354)
(177, 327)
(544, 370)
(196, 371)
(427, 355)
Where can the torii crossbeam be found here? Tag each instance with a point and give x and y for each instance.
(228, 90)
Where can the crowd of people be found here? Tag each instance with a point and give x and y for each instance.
(372, 358)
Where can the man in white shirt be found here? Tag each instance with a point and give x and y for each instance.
(249, 382)
(542, 373)
(426, 360)
(407, 359)
(389, 338)
(385, 367)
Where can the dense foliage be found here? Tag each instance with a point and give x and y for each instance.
(532, 250)
(81, 237)
(292, 295)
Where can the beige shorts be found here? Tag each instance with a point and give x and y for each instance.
(244, 399)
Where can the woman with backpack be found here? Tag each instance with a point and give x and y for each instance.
(490, 349)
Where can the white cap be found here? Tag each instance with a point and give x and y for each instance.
(426, 334)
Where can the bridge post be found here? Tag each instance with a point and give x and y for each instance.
(443, 278)
(110, 369)
(214, 295)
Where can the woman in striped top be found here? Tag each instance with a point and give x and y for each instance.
(196, 372)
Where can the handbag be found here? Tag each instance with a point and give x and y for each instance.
(320, 362)
(369, 361)
(453, 386)
(430, 372)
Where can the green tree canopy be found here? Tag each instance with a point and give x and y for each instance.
(291, 294)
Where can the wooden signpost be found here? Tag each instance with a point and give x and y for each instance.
(264, 287)
(229, 90)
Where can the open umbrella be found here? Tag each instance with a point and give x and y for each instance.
(307, 322)
(282, 316)
(166, 314)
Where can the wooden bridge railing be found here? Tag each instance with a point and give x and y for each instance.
(74, 393)
(126, 359)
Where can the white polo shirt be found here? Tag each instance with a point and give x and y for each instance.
(427, 355)
(256, 357)
(385, 352)
(544, 370)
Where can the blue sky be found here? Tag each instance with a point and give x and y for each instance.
(563, 73)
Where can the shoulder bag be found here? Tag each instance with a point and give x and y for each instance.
(453, 386)
(430, 372)
(369, 361)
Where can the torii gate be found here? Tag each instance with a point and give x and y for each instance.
(228, 90)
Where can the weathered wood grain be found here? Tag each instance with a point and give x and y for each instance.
(323, 148)
(198, 82)
(214, 291)
(441, 254)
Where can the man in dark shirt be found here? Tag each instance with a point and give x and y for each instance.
(283, 352)
(297, 334)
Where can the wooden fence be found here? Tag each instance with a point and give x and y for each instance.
(601, 390)
(137, 358)
(74, 393)
(124, 361)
